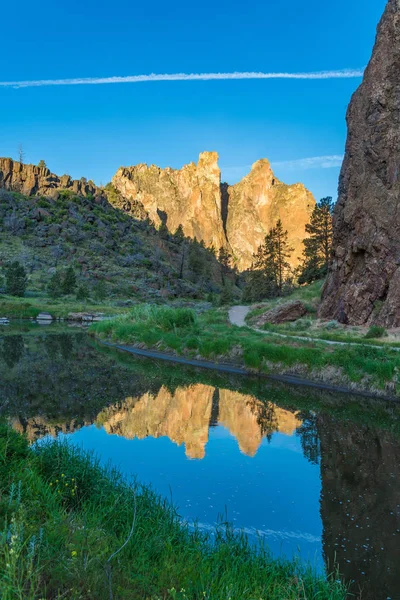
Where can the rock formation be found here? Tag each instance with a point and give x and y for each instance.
(363, 283)
(235, 217)
(283, 313)
(186, 415)
(32, 180)
(190, 196)
(254, 206)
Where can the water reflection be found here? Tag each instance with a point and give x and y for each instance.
(316, 472)
(185, 415)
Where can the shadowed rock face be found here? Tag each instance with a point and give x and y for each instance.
(31, 180)
(363, 283)
(235, 217)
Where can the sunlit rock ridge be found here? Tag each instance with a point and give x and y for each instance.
(364, 278)
(234, 217)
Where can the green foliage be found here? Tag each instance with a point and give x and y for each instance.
(226, 294)
(100, 290)
(82, 292)
(318, 246)
(69, 281)
(16, 279)
(376, 332)
(55, 286)
(42, 164)
(63, 516)
(270, 274)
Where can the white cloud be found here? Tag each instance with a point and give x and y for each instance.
(341, 74)
(314, 162)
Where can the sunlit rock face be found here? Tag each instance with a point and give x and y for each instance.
(32, 180)
(360, 505)
(235, 217)
(363, 283)
(190, 197)
(256, 203)
(185, 416)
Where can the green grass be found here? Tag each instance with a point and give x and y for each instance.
(210, 336)
(65, 519)
(30, 307)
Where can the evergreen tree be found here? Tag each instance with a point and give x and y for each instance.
(226, 295)
(163, 231)
(100, 290)
(318, 246)
(196, 260)
(16, 279)
(225, 260)
(179, 235)
(69, 281)
(82, 292)
(55, 284)
(42, 164)
(270, 272)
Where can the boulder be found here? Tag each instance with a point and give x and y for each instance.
(283, 313)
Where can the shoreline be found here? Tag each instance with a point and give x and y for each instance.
(238, 370)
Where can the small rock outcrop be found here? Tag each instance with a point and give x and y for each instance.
(363, 284)
(32, 180)
(236, 217)
(283, 313)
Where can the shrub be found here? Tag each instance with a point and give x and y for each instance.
(376, 332)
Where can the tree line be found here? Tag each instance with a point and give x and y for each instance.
(271, 273)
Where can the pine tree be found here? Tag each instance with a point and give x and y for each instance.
(225, 260)
(69, 281)
(55, 286)
(318, 246)
(82, 292)
(163, 231)
(179, 234)
(100, 290)
(42, 164)
(270, 272)
(16, 279)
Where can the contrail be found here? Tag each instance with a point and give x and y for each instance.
(341, 74)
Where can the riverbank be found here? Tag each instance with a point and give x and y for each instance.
(72, 528)
(210, 336)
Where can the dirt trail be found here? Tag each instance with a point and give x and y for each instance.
(237, 316)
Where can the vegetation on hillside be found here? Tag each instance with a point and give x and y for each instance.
(53, 237)
(72, 528)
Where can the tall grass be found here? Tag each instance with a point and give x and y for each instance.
(64, 518)
(210, 336)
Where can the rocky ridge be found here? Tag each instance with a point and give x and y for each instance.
(363, 284)
(32, 180)
(234, 217)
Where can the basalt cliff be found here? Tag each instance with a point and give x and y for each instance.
(234, 217)
(363, 284)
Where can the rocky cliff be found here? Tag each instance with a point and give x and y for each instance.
(254, 206)
(234, 217)
(363, 283)
(190, 196)
(32, 180)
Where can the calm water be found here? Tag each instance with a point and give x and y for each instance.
(312, 474)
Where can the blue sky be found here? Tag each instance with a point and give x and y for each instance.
(90, 130)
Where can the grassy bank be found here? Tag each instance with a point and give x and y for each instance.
(29, 307)
(210, 336)
(64, 521)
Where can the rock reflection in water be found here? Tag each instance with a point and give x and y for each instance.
(185, 415)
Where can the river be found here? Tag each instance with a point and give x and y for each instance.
(308, 472)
